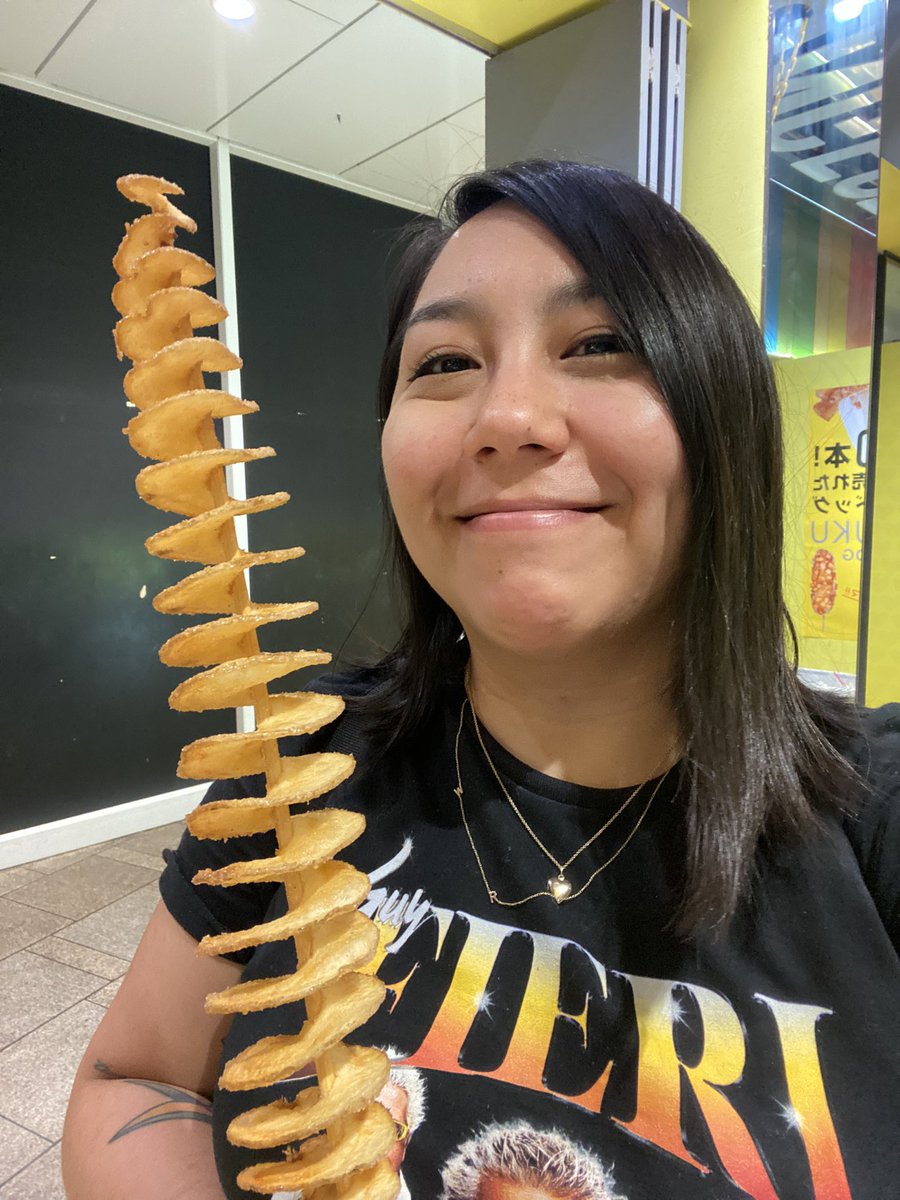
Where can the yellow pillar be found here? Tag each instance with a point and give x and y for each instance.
(725, 121)
(882, 629)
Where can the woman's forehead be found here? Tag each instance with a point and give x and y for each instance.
(505, 255)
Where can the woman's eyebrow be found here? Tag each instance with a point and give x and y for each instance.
(456, 308)
(450, 308)
(569, 295)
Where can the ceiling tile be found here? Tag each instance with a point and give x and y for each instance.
(423, 167)
(177, 61)
(383, 79)
(470, 119)
(29, 29)
(342, 11)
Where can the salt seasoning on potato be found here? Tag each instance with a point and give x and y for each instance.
(346, 1134)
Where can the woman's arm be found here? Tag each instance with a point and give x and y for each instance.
(139, 1119)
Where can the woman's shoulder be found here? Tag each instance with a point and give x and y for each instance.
(874, 749)
(356, 682)
(351, 732)
(873, 827)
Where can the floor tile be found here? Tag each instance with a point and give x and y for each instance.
(47, 866)
(116, 929)
(18, 1147)
(14, 877)
(34, 989)
(80, 889)
(36, 1072)
(106, 994)
(42, 1180)
(107, 966)
(21, 925)
(136, 857)
(153, 841)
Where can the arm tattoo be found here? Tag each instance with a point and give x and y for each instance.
(178, 1105)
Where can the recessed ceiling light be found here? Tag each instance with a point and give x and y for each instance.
(235, 10)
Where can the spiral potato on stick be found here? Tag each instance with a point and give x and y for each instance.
(345, 1133)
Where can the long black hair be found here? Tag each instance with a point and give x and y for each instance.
(760, 754)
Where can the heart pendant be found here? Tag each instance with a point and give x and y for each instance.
(560, 888)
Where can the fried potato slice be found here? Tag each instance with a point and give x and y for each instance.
(332, 888)
(345, 1005)
(192, 483)
(356, 1082)
(303, 778)
(153, 191)
(170, 313)
(148, 232)
(229, 637)
(220, 820)
(346, 943)
(209, 538)
(177, 426)
(316, 837)
(232, 755)
(167, 266)
(177, 368)
(214, 590)
(380, 1182)
(231, 684)
(366, 1137)
(308, 776)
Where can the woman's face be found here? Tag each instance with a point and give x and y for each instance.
(533, 468)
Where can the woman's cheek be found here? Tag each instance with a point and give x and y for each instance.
(414, 454)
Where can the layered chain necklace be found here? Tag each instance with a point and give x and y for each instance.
(559, 886)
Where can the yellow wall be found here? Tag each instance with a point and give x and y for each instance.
(797, 377)
(883, 651)
(725, 121)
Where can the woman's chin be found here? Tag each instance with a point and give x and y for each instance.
(530, 632)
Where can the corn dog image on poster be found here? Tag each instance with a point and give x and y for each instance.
(344, 1134)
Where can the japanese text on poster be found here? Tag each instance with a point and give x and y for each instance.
(835, 500)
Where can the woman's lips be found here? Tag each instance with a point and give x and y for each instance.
(528, 518)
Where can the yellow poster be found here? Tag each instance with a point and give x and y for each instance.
(835, 498)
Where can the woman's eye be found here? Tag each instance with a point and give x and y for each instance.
(598, 343)
(442, 364)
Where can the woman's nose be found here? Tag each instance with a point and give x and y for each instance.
(521, 409)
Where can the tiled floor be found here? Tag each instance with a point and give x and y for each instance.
(68, 928)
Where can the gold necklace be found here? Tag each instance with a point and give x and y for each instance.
(559, 887)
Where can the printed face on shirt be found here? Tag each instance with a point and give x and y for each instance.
(534, 470)
(396, 1100)
(492, 1188)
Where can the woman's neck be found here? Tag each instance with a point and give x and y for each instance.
(606, 722)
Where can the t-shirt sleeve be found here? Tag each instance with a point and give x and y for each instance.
(202, 909)
(875, 830)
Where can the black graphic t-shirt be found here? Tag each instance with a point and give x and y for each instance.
(584, 1043)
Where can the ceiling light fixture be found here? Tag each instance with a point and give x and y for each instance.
(235, 10)
(848, 10)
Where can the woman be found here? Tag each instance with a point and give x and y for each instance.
(621, 890)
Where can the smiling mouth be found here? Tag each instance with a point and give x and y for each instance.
(536, 511)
